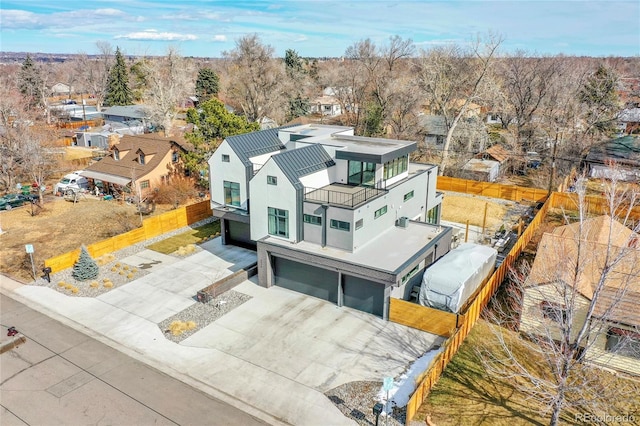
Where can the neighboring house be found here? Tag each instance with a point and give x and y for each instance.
(343, 218)
(434, 129)
(62, 89)
(629, 121)
(75, 112)
(543, 307)
(93, 139)
(134, 117)
(497, 153)
(141, 162)
(623, 152)
(326, 105)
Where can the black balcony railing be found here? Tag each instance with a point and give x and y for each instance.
(342, 198)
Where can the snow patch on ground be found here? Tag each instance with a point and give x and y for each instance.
(405, 384)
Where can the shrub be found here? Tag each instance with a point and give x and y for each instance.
(85, 268)
(94, 284)
(61, 284)
(108, 284)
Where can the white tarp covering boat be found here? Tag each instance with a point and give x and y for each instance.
(450, 281)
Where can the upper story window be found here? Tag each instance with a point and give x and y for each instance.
(380, 212)
(116, 154)
(339, 224)
(231, 193)
(395, 167)
(175, 156)
(408, 196)
(144, 184)
(359, 223)
(272, 180)
(141, 159)
(623, 342)
(312, 219)
(225, 158)
(278, 222)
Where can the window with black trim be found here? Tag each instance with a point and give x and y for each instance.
(116, 154)
(141, 159)
(312, 219)
(395, 167)
(359, 223)
(339, 224)
(225, 158)
(272, 180)
(408, 196)
(175, 156)
(380, 212)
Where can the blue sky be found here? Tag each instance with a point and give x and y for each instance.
(316, 28)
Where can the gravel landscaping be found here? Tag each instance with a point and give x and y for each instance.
(202, 314)
(356, 400)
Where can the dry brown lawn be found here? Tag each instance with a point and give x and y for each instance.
(462, 208)
(60, 226)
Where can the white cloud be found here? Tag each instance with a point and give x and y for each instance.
(109, 12)
(154, 35)
(219, 37)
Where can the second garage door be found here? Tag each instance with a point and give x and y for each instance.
(307, 279)
(363, 295)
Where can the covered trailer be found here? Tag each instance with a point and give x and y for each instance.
(449, 282)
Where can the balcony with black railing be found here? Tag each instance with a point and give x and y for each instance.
(342, 195)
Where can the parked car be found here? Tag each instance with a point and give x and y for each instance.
(10, 201)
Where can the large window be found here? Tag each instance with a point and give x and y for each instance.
(312, 219)
(381, 211)
(338, 224)
(278, 222)
(361, 173)
(432, 215)
(232, 193)
(623, 342)
(395, 167)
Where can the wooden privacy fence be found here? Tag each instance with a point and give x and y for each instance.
(464, 322)
(488, 189)
(151, 227)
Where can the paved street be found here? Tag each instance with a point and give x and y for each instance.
(63, 377)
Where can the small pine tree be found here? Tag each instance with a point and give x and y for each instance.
(85, 268)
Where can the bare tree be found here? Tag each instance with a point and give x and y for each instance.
(452, 78)
(36, 159)
(570, 299)
(169, 80)
(256, 79)
(95, 72)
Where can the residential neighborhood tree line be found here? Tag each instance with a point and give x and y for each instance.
(384, 90)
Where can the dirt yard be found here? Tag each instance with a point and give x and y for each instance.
(60, 226)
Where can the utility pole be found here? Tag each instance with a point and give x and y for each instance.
(553, 165)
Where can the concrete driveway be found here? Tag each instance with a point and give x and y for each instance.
(276, 353)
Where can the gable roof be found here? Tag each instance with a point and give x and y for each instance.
(152, 144)
(296, 163)
(557, 256)
(252, 144)
(619, 306)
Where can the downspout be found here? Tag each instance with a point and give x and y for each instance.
(426, 203)
(299, 214)
(324, 225)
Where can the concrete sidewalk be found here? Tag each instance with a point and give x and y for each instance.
(273, 356)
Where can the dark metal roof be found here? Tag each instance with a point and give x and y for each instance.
(300, 162)
(625, 150)
(255, 143)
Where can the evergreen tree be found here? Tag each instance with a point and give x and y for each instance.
(85, 268)
(293, 63)
(118, 91)
(600, 99)
(212, 123)
(207, 84)
(31, 83)
(298, 107)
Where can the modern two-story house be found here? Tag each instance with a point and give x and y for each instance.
(343, 218)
